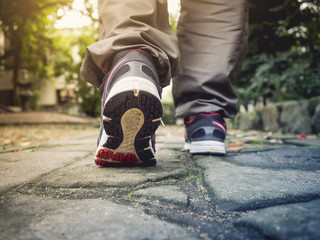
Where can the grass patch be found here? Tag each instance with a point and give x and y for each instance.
(131, 192)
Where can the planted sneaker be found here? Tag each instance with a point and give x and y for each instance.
(131, 111)
(206, 134)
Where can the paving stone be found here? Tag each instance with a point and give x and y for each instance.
(240, 187)
(18, 168)
(292, 221)
(30, 217)
(75, 147)
(242, 181)
(85, 173)
(87, 142)
(174, 142)
(251, 148)
(172, 139)
(87, 139)
(282, 136)
(306, 142)
(284, 158)
(171, 146)
(262, 147)
(168, 193)
(41, 118)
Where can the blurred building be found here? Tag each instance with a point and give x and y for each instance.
(49, 93)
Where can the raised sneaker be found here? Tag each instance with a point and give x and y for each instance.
(131, 111)
(206, 133)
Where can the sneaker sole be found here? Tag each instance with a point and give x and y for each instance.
(211, 147)
(130, 118)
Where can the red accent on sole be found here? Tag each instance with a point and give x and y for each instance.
(107, 157)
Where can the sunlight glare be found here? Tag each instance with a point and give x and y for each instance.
(74, 19)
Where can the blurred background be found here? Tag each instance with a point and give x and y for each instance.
(43, 42)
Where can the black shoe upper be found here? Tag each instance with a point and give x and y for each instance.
(136, 63)
(206, 127)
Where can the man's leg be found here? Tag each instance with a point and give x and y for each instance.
(212, 40)
(137, 55)
(127, 24)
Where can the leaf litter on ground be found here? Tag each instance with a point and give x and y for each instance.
(21, 138)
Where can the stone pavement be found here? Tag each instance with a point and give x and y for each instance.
(266, 187)
(42, 118)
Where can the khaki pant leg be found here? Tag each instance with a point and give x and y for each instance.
(132, 24)
(212, 40)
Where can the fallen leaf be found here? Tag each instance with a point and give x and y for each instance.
(302, 137)
(235, 144)
(7, 141)
(29, 150)
(159, 145)
(276, 141)
(238, 149)
(25, 144)
(312, 137)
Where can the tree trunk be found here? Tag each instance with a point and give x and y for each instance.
(16, 75)
(16, 71)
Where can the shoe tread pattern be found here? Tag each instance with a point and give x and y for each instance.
(121, 103)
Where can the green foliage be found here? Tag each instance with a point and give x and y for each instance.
(48, 52)
(26, 25)
(88, 96)
(282, 61)
(173, 23)
(168, 116)
(34, 101)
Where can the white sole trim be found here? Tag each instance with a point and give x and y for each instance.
(207, 147)
(187, 146)
(134, 84)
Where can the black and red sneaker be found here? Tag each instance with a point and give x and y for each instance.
(206, 133)
(131, 111)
